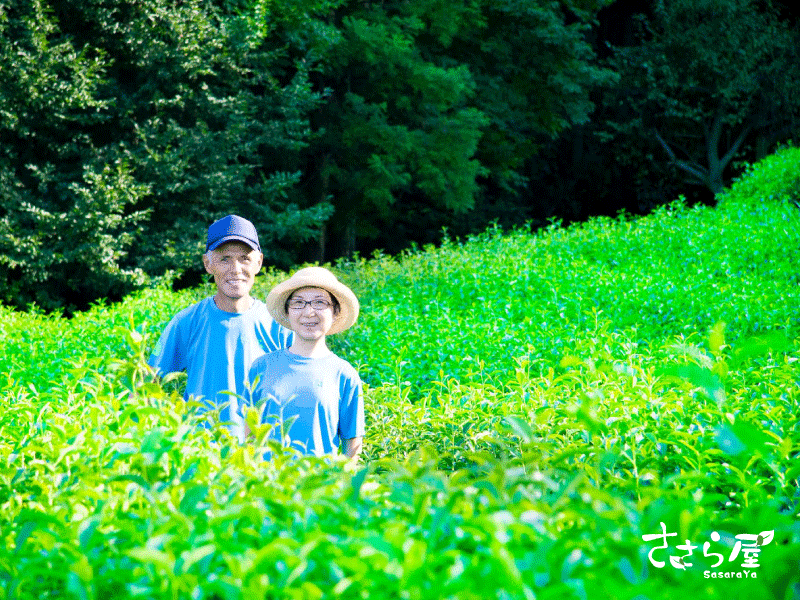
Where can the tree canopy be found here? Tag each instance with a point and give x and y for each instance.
(339, 126)
(434, 106)
(127, 127)
(707, 78)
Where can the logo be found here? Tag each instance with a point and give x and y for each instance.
(747, 548)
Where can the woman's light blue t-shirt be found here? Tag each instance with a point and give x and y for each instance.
(314, 403)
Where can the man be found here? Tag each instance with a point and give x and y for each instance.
(216, 340)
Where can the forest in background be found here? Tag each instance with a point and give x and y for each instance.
(341, 127)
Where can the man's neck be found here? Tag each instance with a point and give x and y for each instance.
(233, 305)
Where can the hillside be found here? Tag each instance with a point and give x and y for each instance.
(536, 403)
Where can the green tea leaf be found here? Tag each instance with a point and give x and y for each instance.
(521, 428)
(760, 345)
(742, 436)
(152, 556)
(195, 555)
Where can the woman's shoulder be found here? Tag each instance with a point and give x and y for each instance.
(270, 359)
(343, 366)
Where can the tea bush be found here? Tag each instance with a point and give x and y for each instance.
(536, 402)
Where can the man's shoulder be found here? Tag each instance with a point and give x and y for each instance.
(258, 310)
(270, 359)
(191, 312)
(259, 314)
(176, 335)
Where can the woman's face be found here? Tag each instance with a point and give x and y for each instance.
(308, 321)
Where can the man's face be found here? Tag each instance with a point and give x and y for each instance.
(234, 266)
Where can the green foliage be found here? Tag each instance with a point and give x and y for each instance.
(536, 404)
(129, 126)
(431, 102)
(126, 128)
(132, 125)
(66, 215)
(533, 80)
(398, 120)
(214, 102)
(774, 179)
(706, 79)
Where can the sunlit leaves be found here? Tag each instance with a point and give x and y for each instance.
(536, 402)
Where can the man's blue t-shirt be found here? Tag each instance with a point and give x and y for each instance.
(322, 395)
(216, 349)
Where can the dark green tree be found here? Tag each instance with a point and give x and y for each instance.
(397, 124)
(68, 211)
(434, 106)
(710, 81)
(216, 100)
(126, 127)
(536, 72)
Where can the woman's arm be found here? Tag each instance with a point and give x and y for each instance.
(353, 447)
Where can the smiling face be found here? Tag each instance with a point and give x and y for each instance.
(234, 266)
(308, 323)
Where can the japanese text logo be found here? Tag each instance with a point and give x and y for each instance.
(746, 549)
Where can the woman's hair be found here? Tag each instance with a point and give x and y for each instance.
(334, 301)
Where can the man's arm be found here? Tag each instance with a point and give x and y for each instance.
(169, 355)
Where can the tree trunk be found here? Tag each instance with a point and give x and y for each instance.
(321, 244)
(716, 163)
(323, 196)
(349, 239)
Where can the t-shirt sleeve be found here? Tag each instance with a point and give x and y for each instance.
(284, 336)
(351, 407)
(170, 351)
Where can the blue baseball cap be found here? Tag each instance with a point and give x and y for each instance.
(232, 228)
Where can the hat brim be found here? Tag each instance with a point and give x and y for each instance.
(316, 277)
(233, 238)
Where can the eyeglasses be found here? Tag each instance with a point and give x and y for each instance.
(300, 304)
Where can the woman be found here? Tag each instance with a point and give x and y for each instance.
(312, 397)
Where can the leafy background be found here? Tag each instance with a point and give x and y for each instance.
(344, 126)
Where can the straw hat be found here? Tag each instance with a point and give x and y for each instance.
(317, 277)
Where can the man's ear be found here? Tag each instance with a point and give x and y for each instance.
(207, 263)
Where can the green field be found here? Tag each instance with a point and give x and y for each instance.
(536, 403)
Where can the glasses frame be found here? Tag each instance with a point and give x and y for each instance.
(310, 303)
